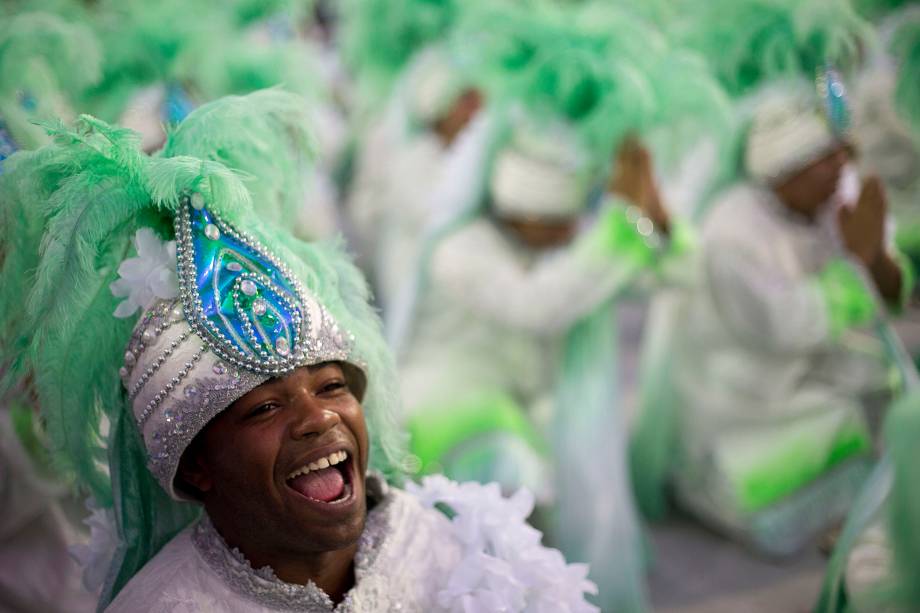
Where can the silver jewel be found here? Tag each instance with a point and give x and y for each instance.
(234, 267)
(197, 201)
(130, 360)
(282, 347)
(248, 287)
(259, 307)
(212, 232)
(123, 372)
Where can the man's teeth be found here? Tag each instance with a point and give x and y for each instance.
(330, 460)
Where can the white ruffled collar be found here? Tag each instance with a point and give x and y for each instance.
(265, 588)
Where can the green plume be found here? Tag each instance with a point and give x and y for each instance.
(902, 433)
(749, 42)
(263, 136)
(598, 67)
(906, 49)
(379, 37)
(197, 42)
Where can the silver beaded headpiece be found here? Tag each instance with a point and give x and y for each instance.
(241, 317)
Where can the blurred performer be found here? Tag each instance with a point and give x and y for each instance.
(425, 134)
(772, 436)
(414, 157)
(886, 120)
(509, 358)
(234, 364)
(751, 47)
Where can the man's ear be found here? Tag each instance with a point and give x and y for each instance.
(193, 474)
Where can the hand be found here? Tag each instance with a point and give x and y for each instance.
(863, 227)
(634, 180)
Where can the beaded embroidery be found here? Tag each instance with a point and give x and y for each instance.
(185, 417)
(240, 299)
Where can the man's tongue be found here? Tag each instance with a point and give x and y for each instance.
(325, 484)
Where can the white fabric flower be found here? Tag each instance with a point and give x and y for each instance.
(96, 556)
(148, 276)
(505, 568)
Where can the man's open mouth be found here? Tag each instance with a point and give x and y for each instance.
(326, 479)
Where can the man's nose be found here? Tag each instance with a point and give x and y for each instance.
(311, 416)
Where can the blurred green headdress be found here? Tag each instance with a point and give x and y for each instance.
(750, 42)
(200, 45)
(45, 64)
(82, 214)
(380, 37)
(599, 67)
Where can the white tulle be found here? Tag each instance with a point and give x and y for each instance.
(504, 566)
(151, 274)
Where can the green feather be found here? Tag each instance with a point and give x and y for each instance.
(379, 37)
(598, 67)
(263, 137)
(902, 433)
(906, 49)
(750, 42)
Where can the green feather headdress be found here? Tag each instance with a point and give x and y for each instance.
(597, 67)
(197, 42)
(45, 64)
(379, 37)
(78, 203)
(749, 42)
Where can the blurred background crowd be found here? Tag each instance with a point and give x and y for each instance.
(651, 259)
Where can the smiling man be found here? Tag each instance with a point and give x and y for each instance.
(248, 393)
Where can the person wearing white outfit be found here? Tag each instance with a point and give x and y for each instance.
(773, 441)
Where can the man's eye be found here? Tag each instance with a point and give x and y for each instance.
(261, 409)
(333, 386)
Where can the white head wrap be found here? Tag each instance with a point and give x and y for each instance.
(433, 85)
(788, 132)
(542, 172)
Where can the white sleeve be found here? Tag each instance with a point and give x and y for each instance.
(762, 305)
(477, 267)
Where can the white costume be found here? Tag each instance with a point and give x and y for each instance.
(410, 558)
(769, 398)
(509, 371)
(763, 387)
